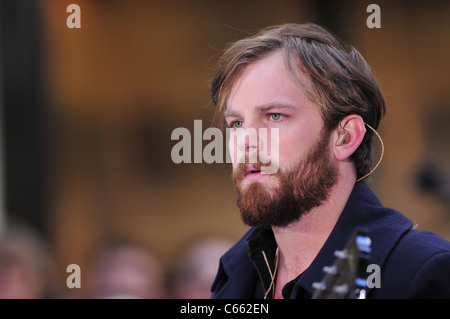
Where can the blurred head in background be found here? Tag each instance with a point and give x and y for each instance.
(25, 264)
(125, 271)
(196, 268)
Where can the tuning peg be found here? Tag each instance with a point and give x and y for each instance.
(331, 270)
(319, 286)
(342, 254)
(361, 282)
(364, 243)
(341, 290)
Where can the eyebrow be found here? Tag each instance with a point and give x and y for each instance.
(275, 105)
(262, 108)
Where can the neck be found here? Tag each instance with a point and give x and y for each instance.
(300, 242)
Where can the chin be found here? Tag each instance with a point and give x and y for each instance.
(270, 186)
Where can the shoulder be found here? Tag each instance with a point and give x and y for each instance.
(417, 267)
(424, 242)
(421, 248)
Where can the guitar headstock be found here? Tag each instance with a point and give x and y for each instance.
(347, 277)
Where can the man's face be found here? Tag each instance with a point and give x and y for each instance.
(265, 97)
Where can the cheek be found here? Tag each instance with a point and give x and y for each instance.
(297, 142)
(290, 152)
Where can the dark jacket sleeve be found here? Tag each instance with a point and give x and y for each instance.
(433, 278)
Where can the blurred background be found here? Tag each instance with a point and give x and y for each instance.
(86, 117)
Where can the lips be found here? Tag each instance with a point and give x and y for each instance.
(252, 169)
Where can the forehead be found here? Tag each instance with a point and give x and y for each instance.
(266, 82)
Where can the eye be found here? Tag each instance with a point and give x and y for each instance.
(275, 116)
(236, 124)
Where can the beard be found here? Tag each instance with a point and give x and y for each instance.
(301, 188)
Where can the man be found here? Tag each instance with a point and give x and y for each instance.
(322, 97)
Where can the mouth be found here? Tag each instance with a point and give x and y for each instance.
(253, 173)
(251, 170)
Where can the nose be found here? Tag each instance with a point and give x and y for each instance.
(246, 144)
(249, 135)
(243, 145)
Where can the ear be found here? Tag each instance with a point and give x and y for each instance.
(348, 136)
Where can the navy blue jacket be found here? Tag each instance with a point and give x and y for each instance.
(414, 264)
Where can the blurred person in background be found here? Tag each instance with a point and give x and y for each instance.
(26, 266)
(125, 271)
(196, 267)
